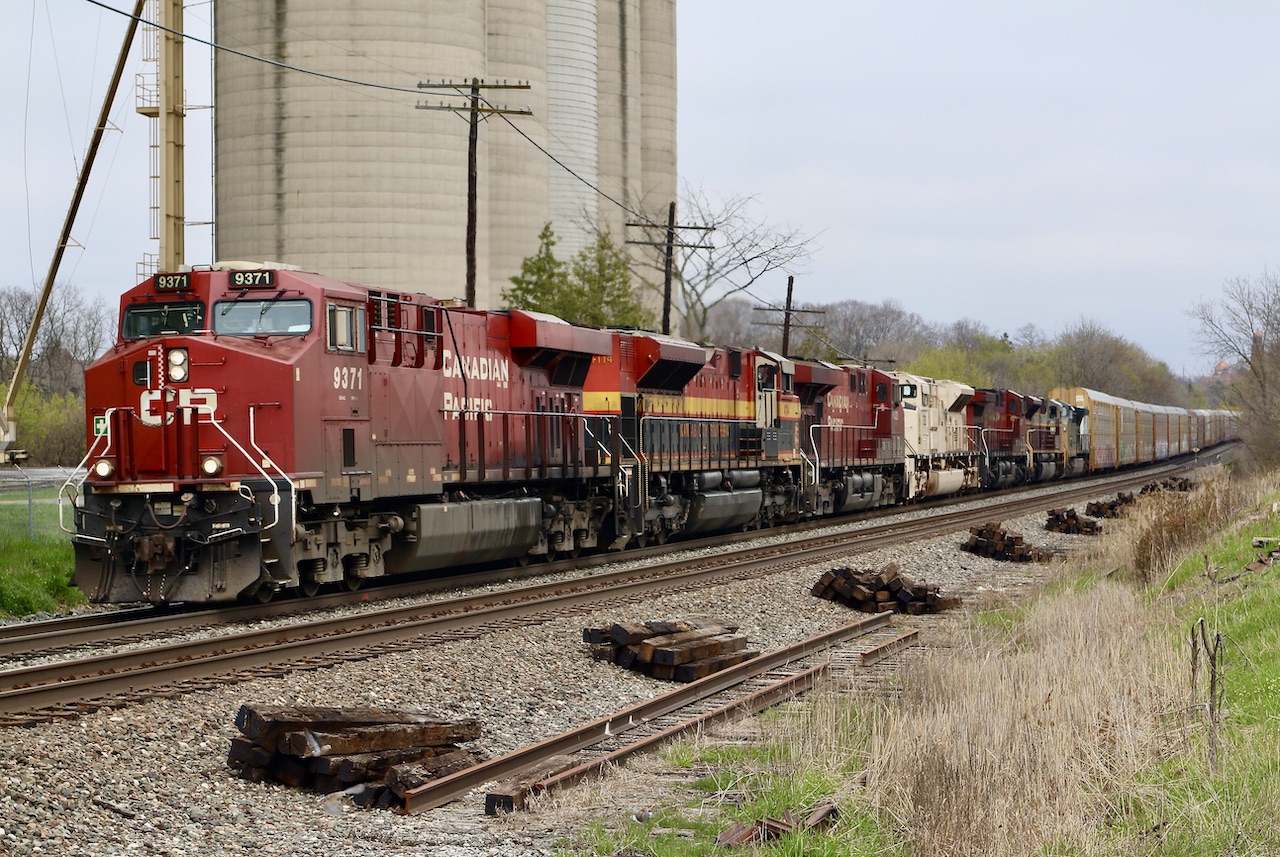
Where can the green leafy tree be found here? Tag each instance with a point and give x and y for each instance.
(594, 288)
(602, 293)
(51, 426)
(543, 279)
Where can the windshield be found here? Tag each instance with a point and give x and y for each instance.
(158, 319)
(268, 317)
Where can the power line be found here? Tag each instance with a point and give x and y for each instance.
(246, 55)
(370, 85)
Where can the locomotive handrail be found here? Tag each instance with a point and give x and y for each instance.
(275, 489)
(75, 491)
(813, 440)
(293, 488)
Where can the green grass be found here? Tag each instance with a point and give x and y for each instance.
(1160, 796)
(35, 576)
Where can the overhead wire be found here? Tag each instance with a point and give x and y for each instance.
(377, 86)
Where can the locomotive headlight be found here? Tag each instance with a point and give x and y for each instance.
(102, 468)
(178, 365)
(211, 465)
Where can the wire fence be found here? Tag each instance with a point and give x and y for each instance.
(29, 503)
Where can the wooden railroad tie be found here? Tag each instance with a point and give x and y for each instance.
(1109, 508)
(682, 650)
(1169, 483)
(335, 749)
(877, 591)
(991, 540)
(1068, 521)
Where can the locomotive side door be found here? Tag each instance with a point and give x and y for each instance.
(348, 447)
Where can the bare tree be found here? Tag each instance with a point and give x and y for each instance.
(733, 322)
(745, 249)
(72, 334)
(1243, 328)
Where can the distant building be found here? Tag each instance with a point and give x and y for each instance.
(358, 184)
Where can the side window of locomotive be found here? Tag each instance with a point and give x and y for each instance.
(162, 319)
(265, 317)
(764, 378)
(346, 328)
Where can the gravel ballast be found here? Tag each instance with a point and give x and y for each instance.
(153, 778)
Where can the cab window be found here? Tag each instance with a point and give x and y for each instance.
(265, 317)
(162, 319)
(346, 328)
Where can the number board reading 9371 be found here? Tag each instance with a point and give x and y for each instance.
(173, 282)
(252, 279)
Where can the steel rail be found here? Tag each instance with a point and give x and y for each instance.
(449, 788)
(142, 669)
(676, 572)
(64, 632)
(745, 706)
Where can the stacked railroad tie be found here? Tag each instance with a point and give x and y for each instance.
(1109, 508)
(374, 754)
(1169, 483)
(681, 650)
(991, 540)
(1068, 521)
(888, 589)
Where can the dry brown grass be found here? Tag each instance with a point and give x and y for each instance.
(1003, 744)
(1156, 533)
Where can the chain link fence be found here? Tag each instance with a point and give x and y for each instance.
(29, 502)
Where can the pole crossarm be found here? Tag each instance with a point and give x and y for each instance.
(473, 89)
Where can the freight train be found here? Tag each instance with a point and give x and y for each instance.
(257, 429)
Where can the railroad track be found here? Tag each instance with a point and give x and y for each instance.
(745, 689)
(28, 640)
(42, 692)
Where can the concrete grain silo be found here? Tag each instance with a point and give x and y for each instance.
(353, 181)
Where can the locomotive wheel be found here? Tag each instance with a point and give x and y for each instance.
(309, 587)
(661, 537)
(641, 540)
(351, 583)
(263, 594)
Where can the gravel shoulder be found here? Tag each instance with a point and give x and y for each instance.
(153, 778)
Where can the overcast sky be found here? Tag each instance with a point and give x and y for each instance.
(1011, 162)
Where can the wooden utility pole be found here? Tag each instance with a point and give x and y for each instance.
(666, 274)
(787, 313)
(473, 138)
(669, 246)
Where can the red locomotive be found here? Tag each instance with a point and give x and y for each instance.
(257, 429)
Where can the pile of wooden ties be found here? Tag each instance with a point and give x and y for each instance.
(681, 650)
(991, 540)
(1109, 508)
(1068, 521)
(877, 591)
(336, 749)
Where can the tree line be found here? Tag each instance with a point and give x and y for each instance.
(50, 403)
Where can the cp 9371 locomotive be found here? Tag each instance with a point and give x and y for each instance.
(257, 428)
